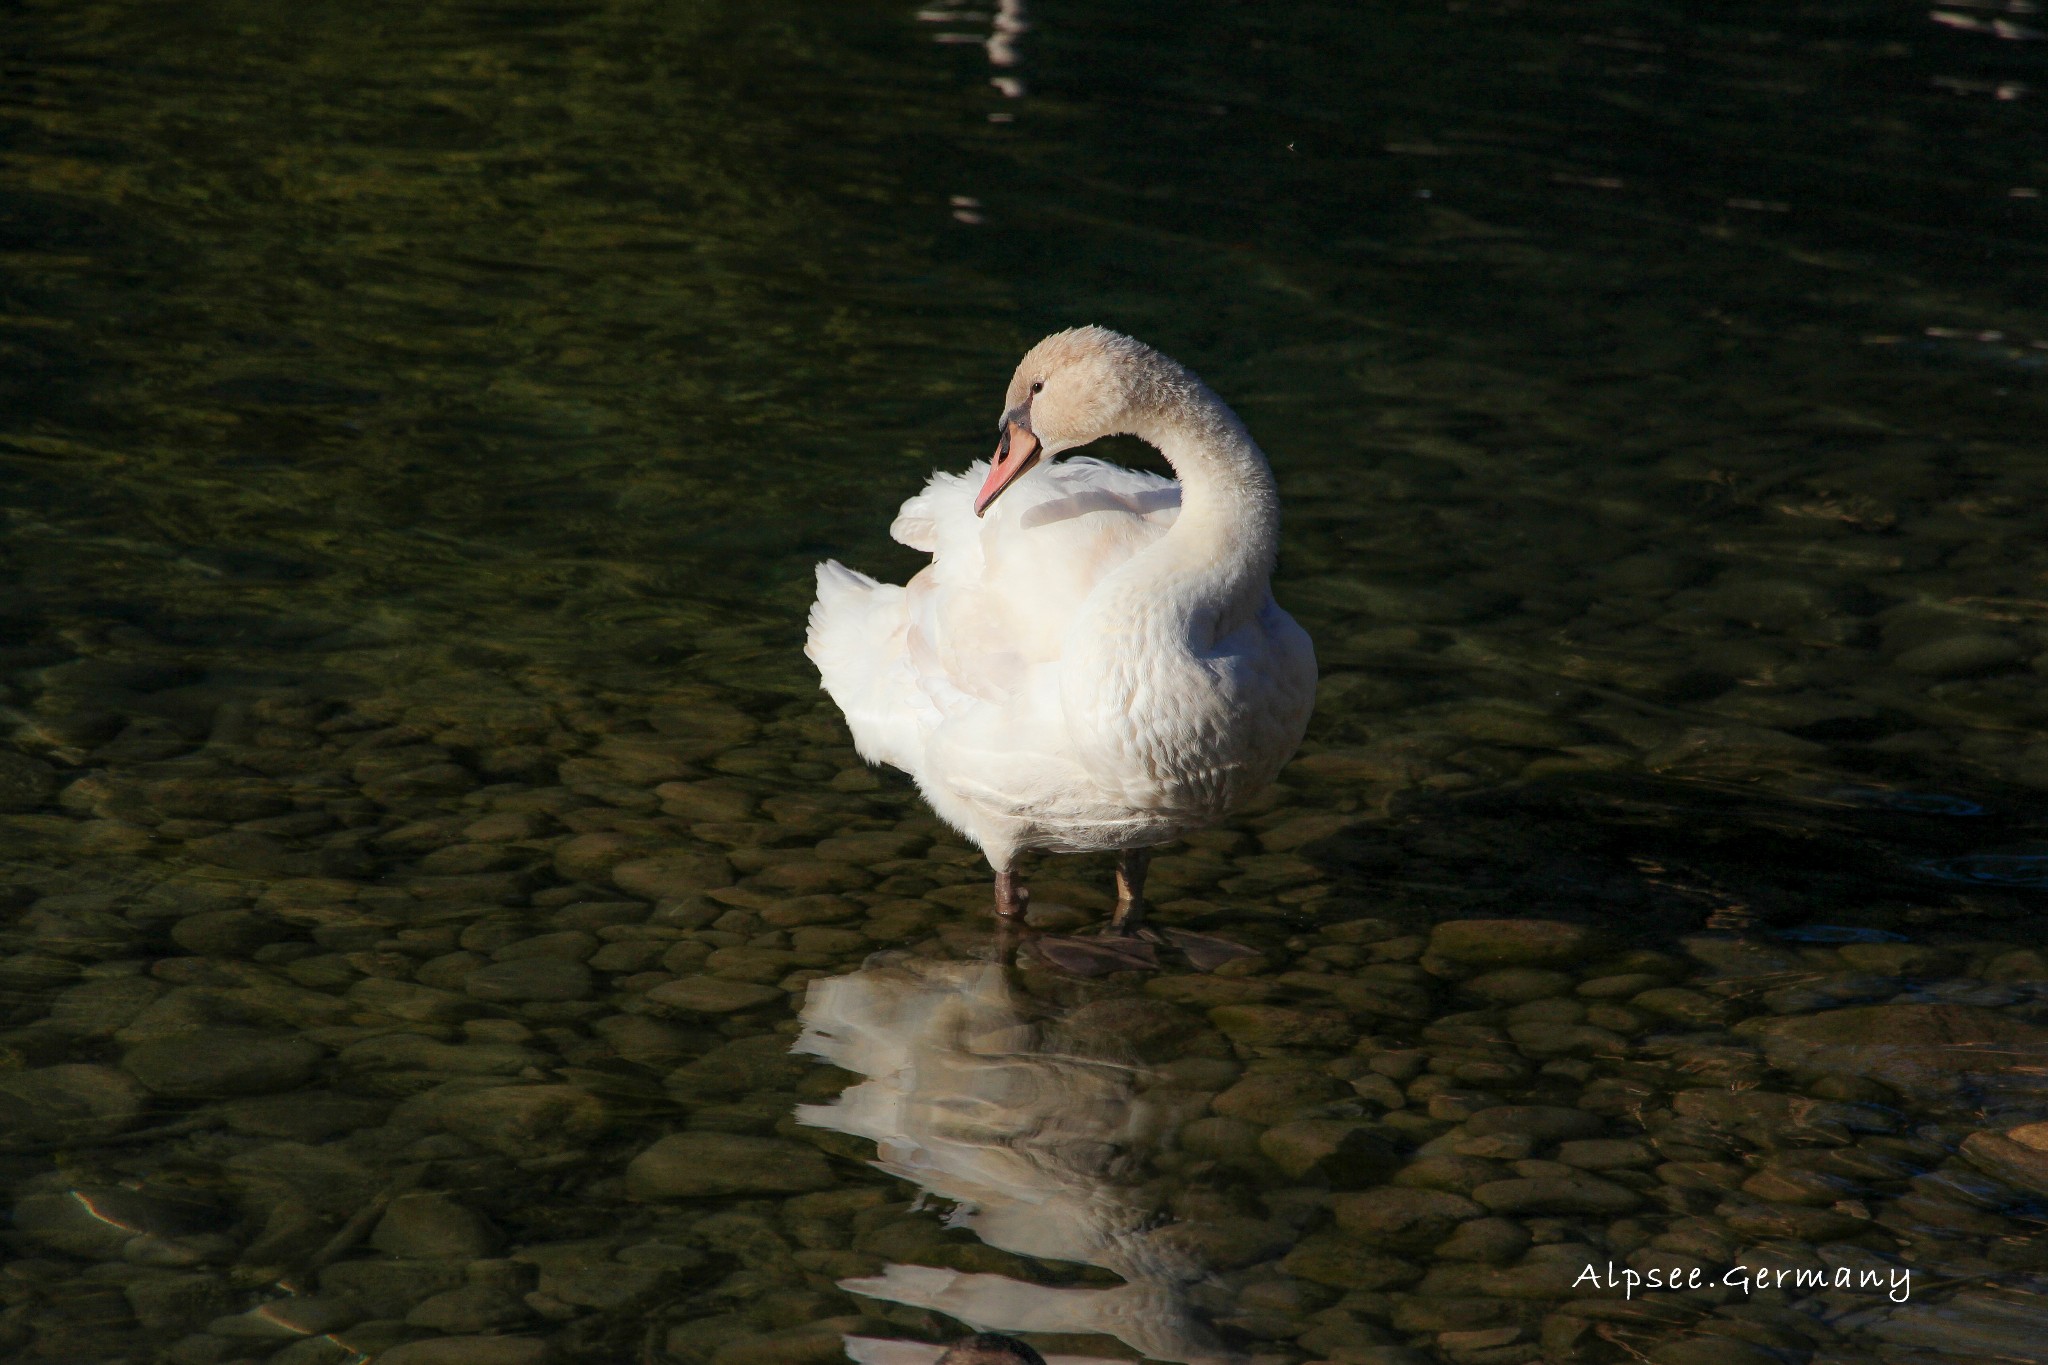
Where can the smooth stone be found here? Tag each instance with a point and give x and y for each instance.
(1203, 991)
(1495, 1241)
(1899, 959)
(1225, 1244)
(2018, 1156)
(762, 1062)
(26, 783)
(515, 1120)
(1794, 1185)
(1401, 1218)
(1694, 1008)
(1358, 1343)
(1561, 1194)
(795, 912)
(643, 1041)
(1458, 1174)
(1394, 999)
(1972, 1324)
(412, 1052)
(1542, 1038)
(69, 1102)
(369, 1339)
(242, 850)
(530, 978)
(287, 1319)
(469, 1308)
(609, 1286)
(1618, 987)
(814, 1343)
(304, 1115)
(1298, 830)
(1340, 1263)
(705, 801)
(710, 995)
(430, 1224)
(759, 965)
(1792, 1222)
(227, 933)
(832, 942)
(590, 856)
(1276, 1096)
(325, 1179)
(1700, 1175)
(1829, 992)
(630, 956)
(1275, 1025)
(1927, 1052)
(1516, 985)
(35, 973)
(465, 859)
(1745, 958)
(2019, 965)
(469, 1350)
(878, 847)
(1960, 656)
(101, 1221)
(435, 779)
(1227, 1141)
(413, 1003)
(216, 1063)
(1124, 1027)
(102, 1008)
(228, 800)
(1510, 942)
(691, 1165)
(671, 875)
(1494, 1147)
(175, 1303)
(1539, 1122)
(1770, 1118)
(389, 1288)
(1344, 1151)
(804, 878)
(1605, 1154)
(563, 943)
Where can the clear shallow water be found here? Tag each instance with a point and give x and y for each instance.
(420, 424)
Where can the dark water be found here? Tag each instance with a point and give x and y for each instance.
(420, 833)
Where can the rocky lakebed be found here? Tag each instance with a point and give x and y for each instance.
(503, 1024)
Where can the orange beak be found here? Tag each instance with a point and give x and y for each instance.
(1015, 453)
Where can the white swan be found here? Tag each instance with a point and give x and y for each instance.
(1094, 661)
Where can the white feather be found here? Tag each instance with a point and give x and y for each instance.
(1084, 667)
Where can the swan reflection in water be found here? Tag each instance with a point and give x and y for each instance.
(1040, 1152)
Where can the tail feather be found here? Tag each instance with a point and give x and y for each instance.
(856, 639)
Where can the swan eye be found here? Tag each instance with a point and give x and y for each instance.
(1037, 384)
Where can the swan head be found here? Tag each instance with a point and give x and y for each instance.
(1073, 387)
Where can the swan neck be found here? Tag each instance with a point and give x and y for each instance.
(1230, 507)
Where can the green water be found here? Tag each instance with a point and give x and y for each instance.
(420, 831)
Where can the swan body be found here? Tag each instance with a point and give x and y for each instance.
(1093, 660)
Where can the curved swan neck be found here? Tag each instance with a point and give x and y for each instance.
(1230, 507)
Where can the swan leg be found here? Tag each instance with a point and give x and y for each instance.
(1130, 891)
(1127, 925)
(1124, 944)
(1012, 897)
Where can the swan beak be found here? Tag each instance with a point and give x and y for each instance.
(1015, 453)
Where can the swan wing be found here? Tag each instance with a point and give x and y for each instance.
(1004, 587)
